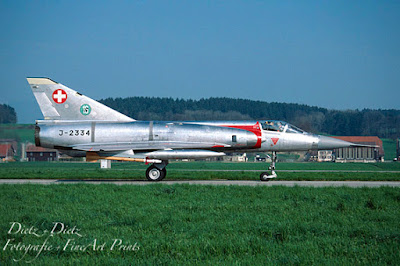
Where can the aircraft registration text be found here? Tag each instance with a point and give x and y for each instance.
(74, 132)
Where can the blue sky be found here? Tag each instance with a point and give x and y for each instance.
(333, 54)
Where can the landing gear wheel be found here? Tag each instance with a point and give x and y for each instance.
(264, 176)
(155, 174)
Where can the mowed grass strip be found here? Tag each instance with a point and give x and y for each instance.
(204, 171)
(187, 224)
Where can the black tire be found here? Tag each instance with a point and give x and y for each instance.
(154, 174)
(263, 177)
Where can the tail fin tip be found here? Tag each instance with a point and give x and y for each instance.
(40, 81)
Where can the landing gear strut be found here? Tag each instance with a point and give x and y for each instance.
(265, 176)
(157, 171)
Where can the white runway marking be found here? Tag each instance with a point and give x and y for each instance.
(354, 184)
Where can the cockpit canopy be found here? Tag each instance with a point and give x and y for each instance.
(280, 126)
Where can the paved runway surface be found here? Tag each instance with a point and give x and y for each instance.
(210, 182)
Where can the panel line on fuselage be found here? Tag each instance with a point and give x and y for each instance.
(93, 128)
(151, 134)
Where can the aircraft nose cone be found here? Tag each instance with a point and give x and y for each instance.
(327, 143)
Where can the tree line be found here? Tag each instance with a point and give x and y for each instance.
(7, 114)
(366, 122)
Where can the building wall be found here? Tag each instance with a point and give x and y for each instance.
(325, 156)
(34, 156)
(357, 154)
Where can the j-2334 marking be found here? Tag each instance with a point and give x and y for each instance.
(74, 132)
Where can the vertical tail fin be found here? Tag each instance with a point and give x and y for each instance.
(58, 102)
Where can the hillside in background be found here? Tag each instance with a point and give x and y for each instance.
(367, 122)
(7, 114)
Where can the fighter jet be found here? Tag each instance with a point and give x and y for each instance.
(82, 127)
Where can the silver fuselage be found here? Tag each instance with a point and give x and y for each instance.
(147, 136)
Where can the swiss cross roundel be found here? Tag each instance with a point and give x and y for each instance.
(59, 96)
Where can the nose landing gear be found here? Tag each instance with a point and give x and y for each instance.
(265, 176)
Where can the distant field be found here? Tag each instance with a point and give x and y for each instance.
(186, 224)
(205, 171)
(19, 132)
(389, 147)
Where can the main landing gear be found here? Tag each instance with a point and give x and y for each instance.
(265, 176)
(157, 171)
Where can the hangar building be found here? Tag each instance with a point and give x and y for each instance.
(374, 153)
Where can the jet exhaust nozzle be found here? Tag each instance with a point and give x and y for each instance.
(37, 137)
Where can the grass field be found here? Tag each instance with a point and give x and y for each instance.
(183, 224)
(18, 132)
(205, 170)
(389, 146)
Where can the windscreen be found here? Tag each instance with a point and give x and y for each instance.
(280, 126)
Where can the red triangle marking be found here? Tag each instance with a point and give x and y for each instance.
(274, 140)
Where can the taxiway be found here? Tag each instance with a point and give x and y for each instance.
(354, 184)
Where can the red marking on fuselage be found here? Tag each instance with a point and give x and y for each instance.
(218, 146)
(274, 140)
(256, 129)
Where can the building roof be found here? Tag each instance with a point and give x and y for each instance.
(366, 140)
(33, 148)
(6, 150)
